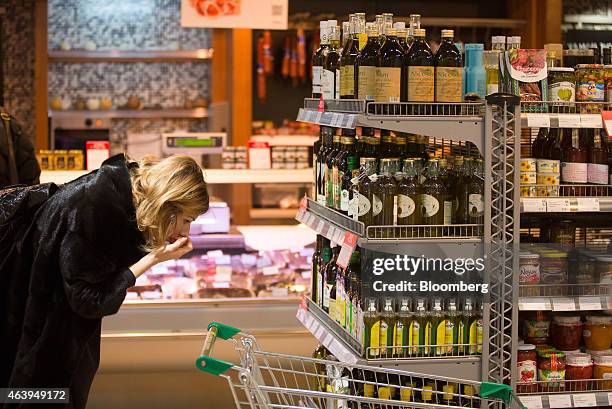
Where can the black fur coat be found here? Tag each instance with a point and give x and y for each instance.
(73, 269)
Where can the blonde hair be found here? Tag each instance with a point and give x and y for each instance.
(162, 189)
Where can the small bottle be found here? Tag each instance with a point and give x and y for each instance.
(476, 76)
(498, 43)
(402, 328)
(330, 75)
(364, 191)
(371, 319)
(419, 63)
(318, 59)
(366, 64)
(388, 319)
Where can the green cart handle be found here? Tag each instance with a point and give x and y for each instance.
(498, 390)
(207, 363)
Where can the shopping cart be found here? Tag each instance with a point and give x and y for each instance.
(269, 380)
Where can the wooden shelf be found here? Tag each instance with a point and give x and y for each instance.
(130, 113)
(76, 56)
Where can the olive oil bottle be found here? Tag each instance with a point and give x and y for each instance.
(384, 199)
(315, 152)
(321, 353)
(433, 197)
(349, 56)
(402, 328)
(387, 145)
(327, 137)
(466, 319)
(329, 283)
(366, 64)
(390, 69)
(475, 188)
(388, 319)
(437, 328)
(316, 260)
(348, 204)
(400, 146)
(340, 166)
(452, 328)
(371, 320)
(365, 191)
(419, 340)
(408, 195)
(326, 256)
(419, 63)
(352, 270)
(445, 176)
(329, 168)
(449, 70)
(318, 59)
(330, 75)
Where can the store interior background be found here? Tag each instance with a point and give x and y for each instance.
(148, 349)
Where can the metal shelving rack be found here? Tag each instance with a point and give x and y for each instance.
(494, 128)
(594, 201)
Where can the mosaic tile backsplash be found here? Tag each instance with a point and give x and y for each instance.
(128, 25)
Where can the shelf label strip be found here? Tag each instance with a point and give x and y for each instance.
(589, 303)
(534, 304)
(582, 400)
(560, 401)
(558, 205)
(532, 402)
(534, 205)
(588, 204)
(563, 304)
(569, 120)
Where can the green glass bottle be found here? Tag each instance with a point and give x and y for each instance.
(347, 150)
(419, 63)
(364, 191)
(387, 145)
(348, 59)
(316, 260)
(366, 64)
(329, 285)
(408, 195)
(475, 188)
(329, 176)
(384, 199)
(402, 328)
(330, 75)
(326, 256)
(388, 319)
(371, 334)
(327, 137)
(401, 146)
(449, 70)
(390, 69)
(348, 204)
(433, 197)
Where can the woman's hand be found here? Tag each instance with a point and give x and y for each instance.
(173, 251)
(170, 251)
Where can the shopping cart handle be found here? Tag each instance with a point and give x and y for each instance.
(497, 390)
(205, 362)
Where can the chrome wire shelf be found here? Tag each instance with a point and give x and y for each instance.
(461, 231)
(567, 190)
(422, 351)
(564, 289)
(582, 385)
(337, 218)
(352, 106)
(425, 109)
(561, 107)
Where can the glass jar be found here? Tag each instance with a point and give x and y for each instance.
(608, 78)
(561, 85)
(566, 332)
(590, 86)
(553, 272)
(564, 233)
(597, 332)
(527, 369)
(529, 274)
(536, 327)
(551, 371)
(578, 367)
(603, 272)
(602, 369)
(586, 274)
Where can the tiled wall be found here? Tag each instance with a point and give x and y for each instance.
(128, 25)
(18, 60)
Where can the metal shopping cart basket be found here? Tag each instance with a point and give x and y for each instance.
(265, 380)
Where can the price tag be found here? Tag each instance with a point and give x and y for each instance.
(538, 120)
(560, 401)
(318, 117)
(348, 246)
(339, 236)
(589, 303)
(610, 398)
(607, 120)
(534, 304)
(558, 205)
(569, 121)
(532, 402)
(331, 232)
(300, 215)
(590, 121)
(351, 119)
(588, 204)
(328, 339)
(318, 333)
(311, 220)
(563, 304)
(534, 205)
(584, 400)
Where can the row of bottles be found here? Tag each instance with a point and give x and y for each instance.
(385, 62)
(390, 180)
(391, 327)
(339, 379)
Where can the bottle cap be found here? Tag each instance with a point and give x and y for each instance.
(526, 347)
(579, 359)
(419, 32)
(399, 24)
(322, 24)
(448, 33)
(331, 23)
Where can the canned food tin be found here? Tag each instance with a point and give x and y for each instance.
(46, 159)
(529, 178)
(278, 153)
(528, 165)
(75, 159)
(240, 165)
(302, 153)
(548, 166)
(548, 178)
(302, 164)
(60, 157)
(547, 191)
(529, 191)
(290, 154)
(241, 153)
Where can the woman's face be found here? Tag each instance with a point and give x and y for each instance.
(181, 227)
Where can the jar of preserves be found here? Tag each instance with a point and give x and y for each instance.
(536, 327)
(553, 272)
(586, 274)
(578, 369)
(603, 272)
(529, 274)
(602, 369)
(551, 371)
(566, 332)
(527, 369)
(590, 86)
(597, 332)
(561, 85)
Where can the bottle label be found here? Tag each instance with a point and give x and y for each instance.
(405, 206)
(377, 205)
(347, 80)
(529, 274)
(527, 371)
(367, 83)
(492, 89)
(334, 182)
(597, 174)
(368, 390)
(399, 336)
(364, 205)
(448, 212)
(328, 86)
(337, 84)
(449, 84)
(320, 290)
(431, 206)
(590, 91)
(476, 204)
(441, 337)
(473, 337)
(384, 330)
(405, 394)
(388, 84)
(415, 335)
(561, 91)
(316, 79)
(345, 202)
(375, 339)
(426, 394)
(329, 189)
(448, 390)
(338, 189)
(363, 40)
(421, 84)
(326, 295)
(348, 313)
(573, 172)
(449, 336)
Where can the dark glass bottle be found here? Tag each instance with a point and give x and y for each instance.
(387, 145)
(341, 165)
(329, 162)
(326, 147)
(316, 147)
(390, 70)
(316, 261)
(537, 146)
(552, 144)
(401, 146)
(348, 59)
(365, 66)
(326, 256)
(373, 147)
(460, 195)
(574, 158)
(384, 199)
(433, 196)
(408, 195)
(348, 204)
(475, 189)
(402, 34)
(419, 63)
(318, 59)
(329, 284)
(598, 159)
(364, 190)
(449, 70)
(330, 75)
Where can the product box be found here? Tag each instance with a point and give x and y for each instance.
(259, 155)
(527, 73)
(97, 152)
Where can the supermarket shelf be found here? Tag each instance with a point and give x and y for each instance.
(567, 204)
(286, 140)
(347, 349)
(571, 395)
(212, 176)
(565, 303)
(560, 120)
(130, 55)
(273, 213)
(457, 122)
(130, 113)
